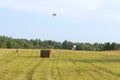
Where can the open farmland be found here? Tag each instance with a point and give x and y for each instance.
(63, 65)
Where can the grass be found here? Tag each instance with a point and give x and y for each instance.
(63, 65)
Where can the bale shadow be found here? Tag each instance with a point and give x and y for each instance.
(34, 57)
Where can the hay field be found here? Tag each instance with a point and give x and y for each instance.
(63, 65)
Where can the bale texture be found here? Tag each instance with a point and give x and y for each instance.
(45, 53)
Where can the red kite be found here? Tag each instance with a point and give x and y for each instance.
(54, 14)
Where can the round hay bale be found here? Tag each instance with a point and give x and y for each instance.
(45, 53)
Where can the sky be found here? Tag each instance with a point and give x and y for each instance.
(77, 20)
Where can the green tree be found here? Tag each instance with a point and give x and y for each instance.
(67, 44)
(114, 46)
(107, 46)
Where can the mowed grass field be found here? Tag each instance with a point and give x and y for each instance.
(63, 65)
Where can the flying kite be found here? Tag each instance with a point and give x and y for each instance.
(54, 14)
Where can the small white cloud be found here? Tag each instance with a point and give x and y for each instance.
(60, 6)
(115, 17)
(84, 4)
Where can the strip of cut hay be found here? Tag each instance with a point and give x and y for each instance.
(45, 53)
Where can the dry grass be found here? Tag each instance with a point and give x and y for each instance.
(63, 65)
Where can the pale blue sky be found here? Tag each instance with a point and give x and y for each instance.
(76, 20)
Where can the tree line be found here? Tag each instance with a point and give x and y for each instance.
(9, 42)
